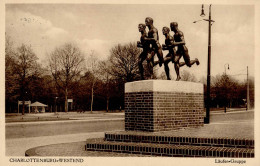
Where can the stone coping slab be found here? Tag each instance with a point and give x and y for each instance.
(163, 86)
(178, 133)
(208, 131)
(179, 140)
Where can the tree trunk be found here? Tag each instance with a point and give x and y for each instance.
(107, 86)
(107, 103)
(66, 99)
(23, 93)
(92, 97)
(23, 107)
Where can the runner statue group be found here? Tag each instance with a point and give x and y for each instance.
(149, 42)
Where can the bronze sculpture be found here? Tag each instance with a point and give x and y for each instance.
(151, 46)
(153, 39)
(171, 56)
(182, 50)
(147, 53)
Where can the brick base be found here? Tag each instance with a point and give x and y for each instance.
(167, 149)
(161, 105)
(163, 138)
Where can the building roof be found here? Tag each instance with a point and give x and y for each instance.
(38, 104)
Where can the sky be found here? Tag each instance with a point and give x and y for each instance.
(99, 27)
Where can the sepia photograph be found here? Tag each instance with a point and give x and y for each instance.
(132, 83)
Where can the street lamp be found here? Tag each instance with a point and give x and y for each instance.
(225, 110)
(202, 11)
(206, 119)
(225, 67)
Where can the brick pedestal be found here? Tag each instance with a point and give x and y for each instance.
(161, 105)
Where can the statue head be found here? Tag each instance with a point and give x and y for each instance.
(174, 26)
(141, 27)
(148, 21)
(165, 30)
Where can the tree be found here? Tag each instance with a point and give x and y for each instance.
(25, 66)
(225, 89)
(123, 67)
(107, 79)
(243, 91)
(82, 91)
(11, 79)
(186, 76)
(252, 91)
(42, 88)
(124, 62)
(92, 66)
(66, 63)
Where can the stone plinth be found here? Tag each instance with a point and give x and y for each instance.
(161, 105)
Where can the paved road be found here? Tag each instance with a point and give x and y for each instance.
(24, 135)
(36, 135)
(217, 117)
(18, 146)
(21, 136)
(36, 129)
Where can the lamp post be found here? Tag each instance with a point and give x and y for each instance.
(56, 105)
(208, 101)
(225, 107)
(247, 92)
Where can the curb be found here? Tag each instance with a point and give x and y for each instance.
(63, 121)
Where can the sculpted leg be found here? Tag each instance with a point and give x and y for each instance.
(150, 63)
(160, 57)
(177, 66)
(177, 70)
(140, 65)
(167, 71)
(167, 59)
(182, 64)
(194, 61)
(150, 59)
(141, 69)
(189, 62)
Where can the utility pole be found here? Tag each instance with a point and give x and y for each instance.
(247, 96)
(207, 118)
(208, 100)
(225, 109)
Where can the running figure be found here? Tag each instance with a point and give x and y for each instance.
(171, 56)
(182, 50)
(153, 39)
(147, 53)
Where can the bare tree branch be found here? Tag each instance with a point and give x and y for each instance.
(66, 63)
